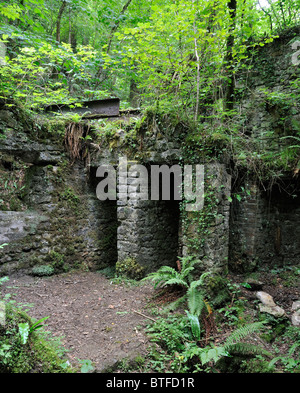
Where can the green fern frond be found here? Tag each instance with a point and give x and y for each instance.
(166, 269)
(167, 275)
(163, 274)
(243, 332)
(185, 272)
(271, 364)
(200, 281)
(175, 281)
(188, 263)
(155, 279)
(195, 301)
(293, 348)
(158, 282)
(246, 349)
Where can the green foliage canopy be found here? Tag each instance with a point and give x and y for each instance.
(173, 53)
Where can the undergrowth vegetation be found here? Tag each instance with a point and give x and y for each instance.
(190, 335)
(23, 349)
(26, 346)
(190, 331)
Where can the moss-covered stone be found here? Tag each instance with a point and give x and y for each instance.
(12, 183)
(36, 356)
(57, 262)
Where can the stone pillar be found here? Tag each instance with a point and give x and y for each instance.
(127, 212)
(206, 233)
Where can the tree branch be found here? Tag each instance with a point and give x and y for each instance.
(267, 13)
(116, 25)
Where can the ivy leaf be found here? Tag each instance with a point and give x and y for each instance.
(213, 354)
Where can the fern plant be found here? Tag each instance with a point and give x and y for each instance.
(195, 297)
(234, 343)
(167, 275)
(25, 330)
(289, 363)
(232, 346)
(196, 304)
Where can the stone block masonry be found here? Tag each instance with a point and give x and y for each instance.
(152, 232)
(148, 232)
(64, 215)
(60, 221)
(264, 226)
(206, 233)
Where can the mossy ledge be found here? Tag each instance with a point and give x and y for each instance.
(38, 355)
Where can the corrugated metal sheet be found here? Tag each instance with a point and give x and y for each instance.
(109, 107)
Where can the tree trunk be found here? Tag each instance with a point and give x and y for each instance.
(134, 94)
(198, 67)
(60, 12)
(116, 25)
(229, 91)
(70, 27)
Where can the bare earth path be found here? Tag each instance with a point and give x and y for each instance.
(98, 320)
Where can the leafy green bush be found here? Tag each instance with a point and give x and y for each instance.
(57, 261)
(130, 268)
(170, 333)
(42, 270)
(45, 74)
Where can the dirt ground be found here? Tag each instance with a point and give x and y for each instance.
(102, 321)
(97, 319)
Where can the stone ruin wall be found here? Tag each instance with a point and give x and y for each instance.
(264, 226)
(61, 221)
